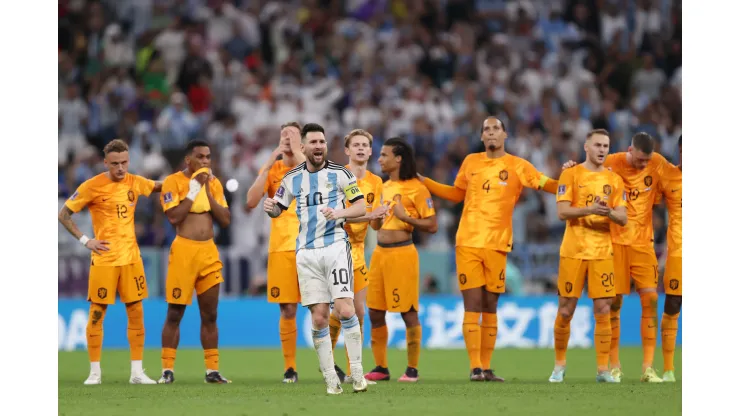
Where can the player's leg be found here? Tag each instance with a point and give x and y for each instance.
(377, 307)
(133, 290)
(622, 281)
(405, 294)
(571, 279)
(672, 281)
(361, 283)
(471, 280)
(101, 292)
(208, 305)
(644, 271)
(282, 281)
(601, 289)
(170, 340)
(494, 263)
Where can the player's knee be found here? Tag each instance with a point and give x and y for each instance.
(602, 308)
(672, 304)
(410, 318)
(97, 315)
(616, 303)
(174, 315)
(566, 311)
(209, 316)
(377, 318)
(319, 321)
(288, 310)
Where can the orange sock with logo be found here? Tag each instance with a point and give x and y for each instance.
(649, 327)
(614, 314)
(135, 330)
(471, 334)
(669, 330)
(379, 344)
(168, 358)
(413, 345)
(94, 332)
(488, 334)
(562, 336)
(211, 359)
(602, 340)
(288, 340)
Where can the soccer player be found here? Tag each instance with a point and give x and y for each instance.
(394, 267)
(590, 198)
(322, 189)
(282, 276)
(192, 199)
(358, 145)
(671, 185)
(490, 183)
(634, 254)
(115, 264)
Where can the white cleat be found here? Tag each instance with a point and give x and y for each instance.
(93, 378)
(140, 378)
(359, 384)
(558, 375)
(333, 385)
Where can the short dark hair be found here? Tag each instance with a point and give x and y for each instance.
(643, 142)
(605, 132)
(311, 127)
(196, 143)
(408, 163)
(291, 124)
(503, 126)
(115, 146)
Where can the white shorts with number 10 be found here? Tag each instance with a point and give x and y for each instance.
(325, 273)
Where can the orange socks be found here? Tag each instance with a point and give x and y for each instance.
(649, 327)
(562, 336)
(288, 340)
(602, 341)
(211, 359)
(334, 327)
(488, 333)
(379, 344)
(94, 332)
(669, 329)
(135, 330)
(614, 317)
(413, 345)
(168, 358)
(471, 334)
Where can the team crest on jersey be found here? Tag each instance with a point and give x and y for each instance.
(607, 190)
(102, 292)
(370, 198)
(673, 284)
(503, 175)
(280, 192)
(561, 190)
(462, 279)
(131, 196)
(275, 291)
(176, 293)
(167, 197)
(74, 195)
(430, 203)
(569, 287)
(648, 180)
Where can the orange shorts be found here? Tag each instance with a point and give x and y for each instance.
(362, 280)
(637, 263)
(128, 281)
(193, 266)
(572, 275)
(394, 278)
(282, 278)
(478, 267)
(673, 276)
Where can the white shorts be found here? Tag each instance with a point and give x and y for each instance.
(325, 273)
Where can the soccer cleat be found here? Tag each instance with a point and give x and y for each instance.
(342, 376)
(378, 374)
(649, 376)
(93, 378)
(168, 377)
(491, 376)
(333, 386)
(214, 377)
(410, 376)
(290, 376)
(476, 374)
(558, 375)
(669, 377)
(140, 377)
(605, 377)
(359, 384)
(617, 374)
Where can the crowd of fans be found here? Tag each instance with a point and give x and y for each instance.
(158, 73)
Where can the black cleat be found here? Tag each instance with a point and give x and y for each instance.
(290, 376)
(491, 376)
(476, 374)
(215, 378)
(342, 376)
(168, 377)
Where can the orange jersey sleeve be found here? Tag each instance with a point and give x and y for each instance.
(217, 192)
(143, 185)
(589, 237)
(112, 206)
(283, 229)
(371, 186)
(170, 195)
(642, 189)
(671, 185)
(413, 196)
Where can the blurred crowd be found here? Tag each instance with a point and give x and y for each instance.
(158, 73)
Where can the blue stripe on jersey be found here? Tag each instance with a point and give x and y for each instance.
(331, 225)
(296, 191)
(313, 209)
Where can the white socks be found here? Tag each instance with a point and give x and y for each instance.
(353, 342)
(136, 367)
(95, 367)
(322, 343)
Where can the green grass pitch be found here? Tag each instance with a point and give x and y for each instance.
(443, 388)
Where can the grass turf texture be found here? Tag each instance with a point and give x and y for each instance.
(443, 388)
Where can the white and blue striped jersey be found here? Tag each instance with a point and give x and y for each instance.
(332, 187)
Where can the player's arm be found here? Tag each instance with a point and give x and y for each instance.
(295, 146)
(217, 200)
(74, 204)
(283, 197)
(353, 194)
(175, 209)
(565, 200)
(618, 214)
(447, 192)
(534, 179)
(376, 214)
(427, 220)
(259, 187)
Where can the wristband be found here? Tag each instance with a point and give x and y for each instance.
(84, 240)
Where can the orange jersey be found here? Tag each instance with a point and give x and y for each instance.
(176, 186)
(283, 229)
(642, 190)
(371, 186)
(589, 237)
(413, 196)
(492, 188)
(112, 206)
(671, 184)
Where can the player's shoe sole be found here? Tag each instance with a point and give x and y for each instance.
(141, 379)
(93, 379)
